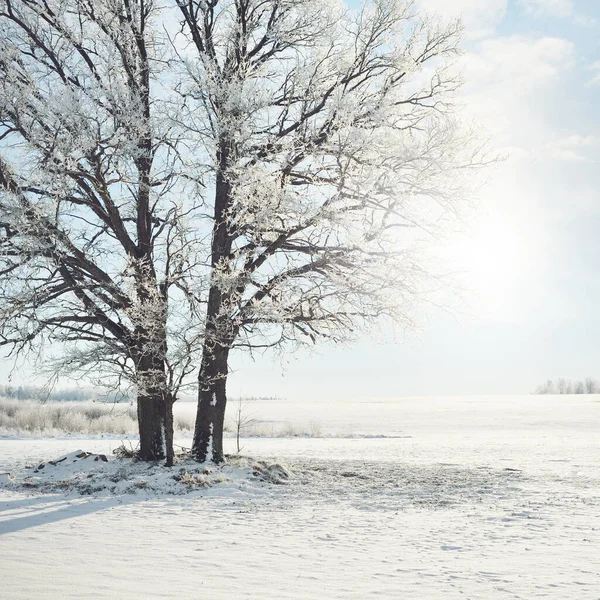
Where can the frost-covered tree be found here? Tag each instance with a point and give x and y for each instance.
(92, 231)
(562, 385)
(569, 386)
(546, 388)
(330, 148)
(206, 175)
(591, 385)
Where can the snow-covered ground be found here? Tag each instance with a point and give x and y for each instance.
(489, 497)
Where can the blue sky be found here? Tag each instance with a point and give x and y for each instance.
(531, 256)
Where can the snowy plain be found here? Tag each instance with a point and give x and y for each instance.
(470, 497)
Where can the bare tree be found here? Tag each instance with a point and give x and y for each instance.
(569, 386)
(242, 420)
(92, 241)
(591, 385)
(331, 151)
(268, 177)
(562, 385)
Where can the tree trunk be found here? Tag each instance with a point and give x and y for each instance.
(155, 405)
(219, 334)
(169, 430)
(151, 424)
(155, 423)
(212, 400)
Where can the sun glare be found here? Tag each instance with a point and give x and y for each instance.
(493, 261)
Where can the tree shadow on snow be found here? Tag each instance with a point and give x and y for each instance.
(52, 511)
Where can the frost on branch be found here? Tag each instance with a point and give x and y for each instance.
(332, 154)
(337, 156)
(181, 179)
(94, 248)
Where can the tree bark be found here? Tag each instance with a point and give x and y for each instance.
(155, 400)
(212, 400)
(169, 430)
(155, 424)
(220, 333)
(151, 424)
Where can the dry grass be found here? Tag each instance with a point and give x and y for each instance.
(55, 418)
(47, 419)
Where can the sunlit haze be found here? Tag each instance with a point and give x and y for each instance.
(528, 256)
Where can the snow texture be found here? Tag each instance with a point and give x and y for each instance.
(478, 498)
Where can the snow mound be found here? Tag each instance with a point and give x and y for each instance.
(87, 473)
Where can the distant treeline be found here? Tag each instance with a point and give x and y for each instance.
(30, 392)
(569, 386)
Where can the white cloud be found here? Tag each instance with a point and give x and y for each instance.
(595, 80)
(478, 16)
(571, 147)
(557, 8)
(518, 64)
(510, 85)
(584, 20)
(553, 8)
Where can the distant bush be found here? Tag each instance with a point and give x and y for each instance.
(568, 386)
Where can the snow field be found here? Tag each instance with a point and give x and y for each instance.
(476, 498)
